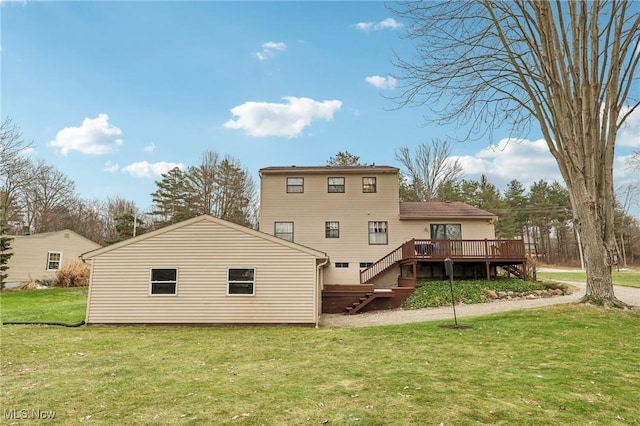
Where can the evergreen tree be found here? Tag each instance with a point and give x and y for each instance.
(172, 200)
(5, 252)
(344, 159)
(514, 216)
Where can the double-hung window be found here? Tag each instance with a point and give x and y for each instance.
(332, 229)
(335, 184)
(164, 281)
(295, 185)
(378, 233)
(284, 230)
(53, 260)
(241, 281)
(368, 184)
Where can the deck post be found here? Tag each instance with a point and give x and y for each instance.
(488, 267)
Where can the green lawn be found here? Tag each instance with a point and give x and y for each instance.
(569, 365)
(630, 277)
(54, 305)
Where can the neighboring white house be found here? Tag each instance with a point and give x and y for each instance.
(39, 256)
(205, 271)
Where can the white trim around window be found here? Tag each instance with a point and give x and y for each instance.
(163, 282)
(54, 260)
(241, 281)
(378, 233)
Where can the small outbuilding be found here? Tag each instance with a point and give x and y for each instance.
(205, 271)
(40, 256)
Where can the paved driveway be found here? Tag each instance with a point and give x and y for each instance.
(629, 295)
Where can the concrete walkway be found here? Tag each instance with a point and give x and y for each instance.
(629, 295)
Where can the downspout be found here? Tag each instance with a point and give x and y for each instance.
(319, 290)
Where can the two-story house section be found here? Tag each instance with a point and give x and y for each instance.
(350, 213)
(354, 214)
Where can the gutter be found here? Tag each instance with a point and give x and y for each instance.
(319, 295)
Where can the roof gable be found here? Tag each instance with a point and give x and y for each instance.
(206, 218)
(442, 210)
(53, 235)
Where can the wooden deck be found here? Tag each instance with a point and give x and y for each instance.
(490, 253)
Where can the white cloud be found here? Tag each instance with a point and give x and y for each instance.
(95, 137)
(521, 159)
(260, 119)
(388, 23)
(381, 82)
(629, 134)
(145, 169)
(269, 49)
(150, 148)
(110, 167)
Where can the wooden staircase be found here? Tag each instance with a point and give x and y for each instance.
(515, 270)
(366, 299)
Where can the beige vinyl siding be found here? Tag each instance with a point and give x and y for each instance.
(472, 229)
(353, 209)
(30, 253)
(285, 279)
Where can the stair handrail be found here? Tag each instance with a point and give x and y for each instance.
(382, 265)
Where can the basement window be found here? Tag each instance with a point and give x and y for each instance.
(164, 281)
(342, 264)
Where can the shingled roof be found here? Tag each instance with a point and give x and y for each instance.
(441, 209)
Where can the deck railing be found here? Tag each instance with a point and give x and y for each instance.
(506, 250)
(464, 249)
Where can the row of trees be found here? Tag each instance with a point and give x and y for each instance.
(36, 197)
(541, 214)
(567, 68)
(217, 187)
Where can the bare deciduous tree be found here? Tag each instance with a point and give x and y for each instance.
(633, 161)
(430, 167)
(569, 67)
(47, 199)
(15, 168)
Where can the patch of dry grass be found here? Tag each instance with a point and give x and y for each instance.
(73, 274)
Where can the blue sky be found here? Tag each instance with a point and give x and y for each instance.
(115, 93)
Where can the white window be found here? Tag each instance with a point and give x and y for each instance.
(335, 184)
(284, 230)
(164, 281)
(54, 259)
(378, 233)
(295, 185)
(332, 229)
(241, 281)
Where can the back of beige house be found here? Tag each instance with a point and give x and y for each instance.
(354, 214)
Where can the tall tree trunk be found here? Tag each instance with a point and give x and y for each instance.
(597, 250)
